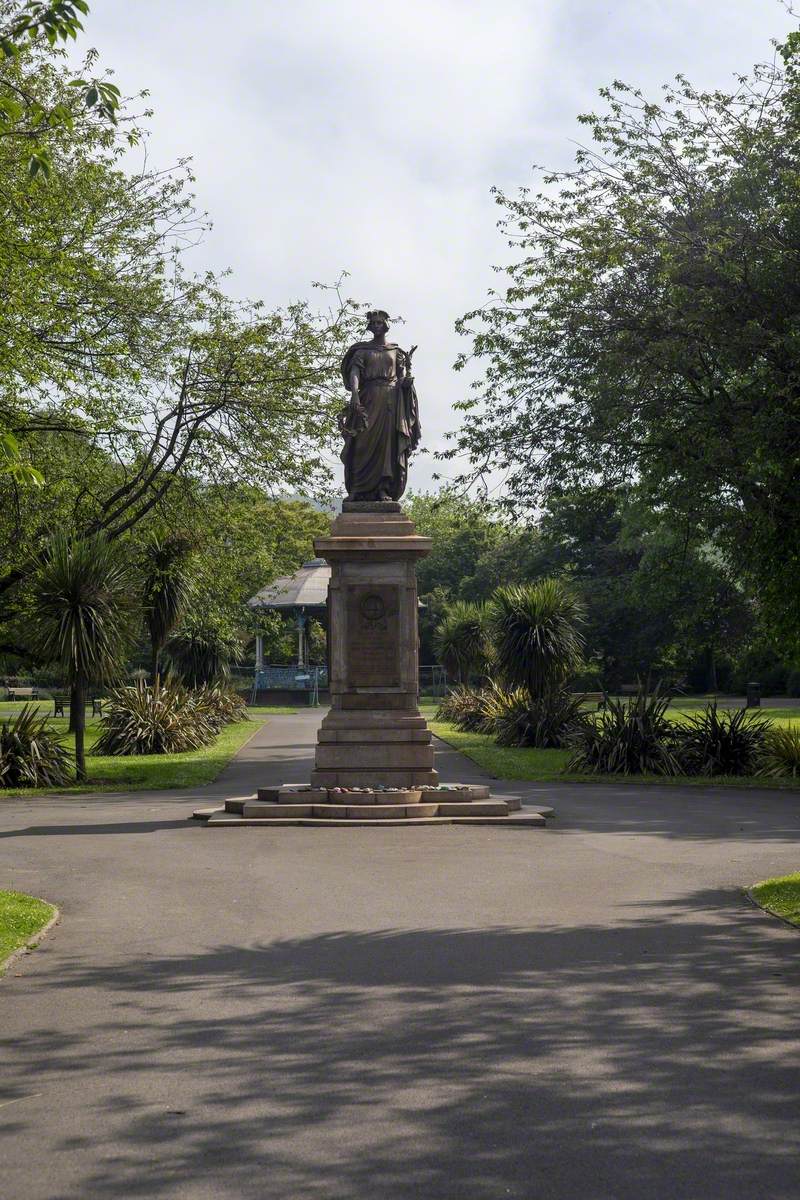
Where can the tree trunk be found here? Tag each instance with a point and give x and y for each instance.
(79, 692)
(73, 708)
(155, 664)
(711, 670)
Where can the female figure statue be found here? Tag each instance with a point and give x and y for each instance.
(381, 425)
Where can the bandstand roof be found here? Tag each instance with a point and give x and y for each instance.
(305, 590)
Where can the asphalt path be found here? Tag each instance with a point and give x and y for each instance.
(589, 1012)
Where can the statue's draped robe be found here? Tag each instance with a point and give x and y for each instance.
(376, 457)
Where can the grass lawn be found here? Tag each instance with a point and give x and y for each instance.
(154, 771)
(544, 766)
(780, 896)
(20, 918)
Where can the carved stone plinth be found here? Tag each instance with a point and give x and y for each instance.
(374, 732)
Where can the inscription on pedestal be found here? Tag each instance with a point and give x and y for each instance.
(373, 636)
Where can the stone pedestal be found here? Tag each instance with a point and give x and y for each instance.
(374, 733)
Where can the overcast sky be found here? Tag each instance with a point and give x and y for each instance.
(332, 135)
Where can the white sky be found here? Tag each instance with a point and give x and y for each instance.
(332, 135)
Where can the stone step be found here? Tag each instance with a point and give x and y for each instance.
(475, 808)
(531, 820)
(374, 812)
(278, 810)
(223, 819)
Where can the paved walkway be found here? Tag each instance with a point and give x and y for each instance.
(591, 1012)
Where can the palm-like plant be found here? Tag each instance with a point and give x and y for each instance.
(202, 651)
(166, 590)
(535, 634)
(460, 639)
(81, 605)
(31, 753)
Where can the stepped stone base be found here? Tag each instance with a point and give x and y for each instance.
(295, 805)
(374, 736)
(357, 748)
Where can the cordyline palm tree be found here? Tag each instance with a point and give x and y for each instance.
(534, 630)
(81, 615)
(202, 651)
(166, 590)
(460, 639)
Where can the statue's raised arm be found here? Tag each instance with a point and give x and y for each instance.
(381, 424)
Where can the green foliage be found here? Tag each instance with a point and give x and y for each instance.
(534, 631)
(166, 588)
(512, 716)
(82, 607)
(13, 464)
(464, 707)
(32, 754)
(202, 650)
(661, 599)
(460, 640)
(717, 742)
(220, 706)
(649, 328)
(547, 722)
(56, 20)
(144, 393)
(23, 29)
(163, 719)
(781, 752)
(627, 738)
(80, 611)
(463, 532)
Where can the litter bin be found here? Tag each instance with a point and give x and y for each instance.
(754, 695)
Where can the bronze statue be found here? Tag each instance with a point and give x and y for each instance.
(381, 425)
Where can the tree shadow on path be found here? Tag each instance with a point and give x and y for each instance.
(654, 1058)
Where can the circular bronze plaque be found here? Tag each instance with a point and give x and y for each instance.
(372, 607)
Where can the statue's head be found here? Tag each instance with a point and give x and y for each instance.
(377, 321)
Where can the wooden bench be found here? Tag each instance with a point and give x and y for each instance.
(22, 693)
(598, 698)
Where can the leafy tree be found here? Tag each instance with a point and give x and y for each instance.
(535, 634)
(460, 639)
(462, 531)
(130, 383)
(81, 619)
(14, 465)
(22, 114)
(649, 332)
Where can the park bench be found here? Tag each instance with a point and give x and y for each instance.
(598, 698)
(22, 693)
